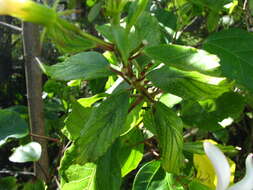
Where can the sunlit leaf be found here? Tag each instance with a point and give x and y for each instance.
(184, 57)
(234, 48)
(80, 177)
(87, 66)
(188, 85)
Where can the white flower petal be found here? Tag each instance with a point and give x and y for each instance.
(247, 182)
(220, 165)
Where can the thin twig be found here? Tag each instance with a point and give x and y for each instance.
(16, 28)
(45, 137)
(120, 74)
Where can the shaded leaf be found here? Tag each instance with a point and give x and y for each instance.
(8, 183)
(11, 126)
(34, 185)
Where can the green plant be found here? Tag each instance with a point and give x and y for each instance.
(156, 91)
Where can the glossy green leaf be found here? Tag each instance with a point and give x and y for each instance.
(131, 151)
(169, 129)
(145, 175)
(28, 153)
(188, 85)
(87, 66)
(234, 48)
(184, 57)
(80, 177)
(11, 126)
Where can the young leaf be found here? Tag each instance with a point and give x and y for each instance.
(28, 153)
(80, 177)
(234, 48)
(188, 85)
(145, 175)
(184, 57)
(11, 126)
(87, 66)
(169, 129)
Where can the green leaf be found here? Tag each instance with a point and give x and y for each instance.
(8, 183)
(76, 120)
(145, 175)
(106, 31)
(105, 124)
(170, 100)
(86, 65)
(28, 153)
(131, 151)
(94, 12)
(168, 19)
(120, 38)
(188, 85)
(88, 102)
(108, 175)
(67, 37)
(195, 185)
(11, 126)
(80, 177)
(169, 129)
(184, 57)
(208, 113)
(34, 185)
(234, 48)
(148, 29)
(167, 182)
(133, 118)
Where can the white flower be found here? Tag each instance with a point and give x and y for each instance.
(222, 169)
